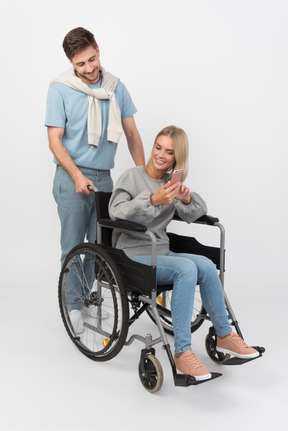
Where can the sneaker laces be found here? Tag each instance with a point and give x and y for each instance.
(238, 340)
(193, 360)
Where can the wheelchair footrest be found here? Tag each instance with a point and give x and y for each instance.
(240, 361)
(187, 380)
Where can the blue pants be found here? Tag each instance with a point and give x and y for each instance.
(184, 271)
(77, 213)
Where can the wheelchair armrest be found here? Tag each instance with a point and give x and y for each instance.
(122, 225)
(205, 219)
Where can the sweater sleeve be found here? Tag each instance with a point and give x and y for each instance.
(194, 210)
(126, 204)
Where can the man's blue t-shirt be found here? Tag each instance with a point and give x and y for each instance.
(68, 108)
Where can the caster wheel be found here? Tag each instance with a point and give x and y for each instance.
(211, 346)
(151, 373)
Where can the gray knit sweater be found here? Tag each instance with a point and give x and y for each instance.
(131, 201)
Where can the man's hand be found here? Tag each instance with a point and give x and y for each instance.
(81, 183)
(55, 135)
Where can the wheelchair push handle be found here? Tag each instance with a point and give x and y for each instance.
(92, 189)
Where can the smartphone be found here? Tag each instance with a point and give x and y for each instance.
(176, 176)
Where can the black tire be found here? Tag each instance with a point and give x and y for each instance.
(94, 284)
(151, 375)
(211, 348)
(165, 312)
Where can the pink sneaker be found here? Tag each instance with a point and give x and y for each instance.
(188, 363)
(234, 345)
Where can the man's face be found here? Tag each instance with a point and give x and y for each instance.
(87, 65)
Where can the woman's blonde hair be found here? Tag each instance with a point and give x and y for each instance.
(181, 149)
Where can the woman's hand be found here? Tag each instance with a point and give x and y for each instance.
(184, 195)
(165, 194)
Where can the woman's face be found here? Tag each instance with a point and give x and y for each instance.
(163, 156)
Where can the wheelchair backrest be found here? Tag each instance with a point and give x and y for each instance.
(102, 203)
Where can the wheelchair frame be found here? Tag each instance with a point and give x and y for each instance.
(123, 281)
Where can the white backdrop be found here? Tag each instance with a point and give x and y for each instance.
(216, 68)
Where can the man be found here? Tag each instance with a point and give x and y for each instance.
(87, 108)
(80, 163)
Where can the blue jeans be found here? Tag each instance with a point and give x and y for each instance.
(184, 271)
(77, 213)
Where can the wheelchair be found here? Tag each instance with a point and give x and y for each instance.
(108, 286)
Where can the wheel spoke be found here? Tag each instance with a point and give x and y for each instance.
(165, 311)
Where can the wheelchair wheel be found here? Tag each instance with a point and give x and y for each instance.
(164, 310)
(91, 283)
(211, 348)
(151, 373)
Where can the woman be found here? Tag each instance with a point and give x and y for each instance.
(145, 195)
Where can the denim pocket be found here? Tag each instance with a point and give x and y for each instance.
(63, 183)
(56, 183)
(104, 181)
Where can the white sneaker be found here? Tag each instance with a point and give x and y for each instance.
(76, 320)
(105, 314)
(92, 312)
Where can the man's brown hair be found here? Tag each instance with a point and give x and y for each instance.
(77, 40)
